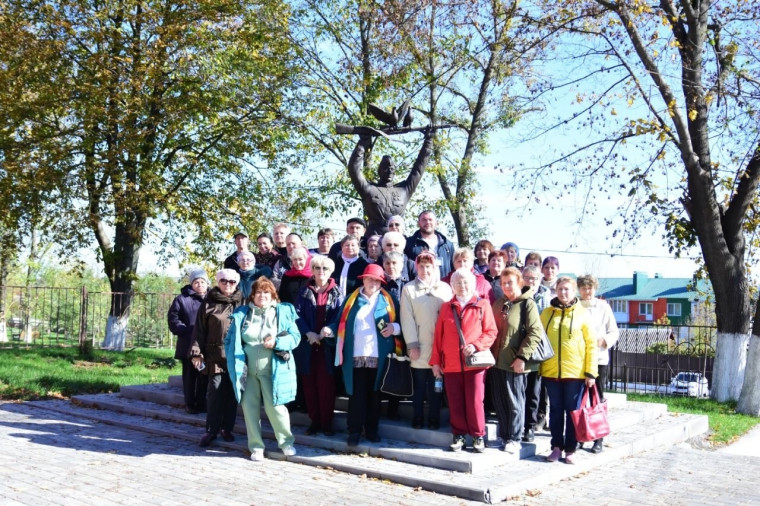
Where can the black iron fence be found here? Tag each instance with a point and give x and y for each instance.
(51, 316)
(656, 358)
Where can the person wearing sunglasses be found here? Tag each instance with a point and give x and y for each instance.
(317, 305)
(207, 353)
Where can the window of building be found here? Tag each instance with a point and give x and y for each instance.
(619, 306)
(674, 309)
(646, 309)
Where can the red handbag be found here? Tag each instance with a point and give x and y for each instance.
(590, 420)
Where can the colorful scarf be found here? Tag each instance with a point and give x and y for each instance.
(344, 318)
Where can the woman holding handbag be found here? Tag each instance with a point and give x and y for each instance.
(573, 366)
(520, 331)
(465, 328)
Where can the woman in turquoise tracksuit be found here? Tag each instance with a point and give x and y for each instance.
(259, 348)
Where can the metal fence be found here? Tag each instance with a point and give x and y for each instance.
(50, 316)
(648, 358)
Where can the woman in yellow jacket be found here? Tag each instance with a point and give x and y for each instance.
(574, 364)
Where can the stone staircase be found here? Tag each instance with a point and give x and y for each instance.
(417, 458)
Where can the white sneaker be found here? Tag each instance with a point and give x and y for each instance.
(289, 451)
(513, 447)
(257, 455)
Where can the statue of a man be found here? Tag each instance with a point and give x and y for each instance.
(383, 199)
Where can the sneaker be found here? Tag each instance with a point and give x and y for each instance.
(289, 450)
(312, 430)
(457, 444)
(257, 455)
(554, 455)
(227, 436)
(513, 447)
(598, 446)
(478, 445)
(206, 440)
(570, 458)
(529, 435)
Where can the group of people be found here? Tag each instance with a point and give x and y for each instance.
(294, 326)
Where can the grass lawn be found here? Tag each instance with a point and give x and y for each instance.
(725, 423)
(56, 373)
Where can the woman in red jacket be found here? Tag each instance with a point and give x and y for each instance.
(464, 386)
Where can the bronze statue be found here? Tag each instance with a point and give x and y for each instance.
(384, 199)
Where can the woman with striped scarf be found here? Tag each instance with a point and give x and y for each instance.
(364, 334)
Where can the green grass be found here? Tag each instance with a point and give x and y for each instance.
(726, 425)
(56, 373)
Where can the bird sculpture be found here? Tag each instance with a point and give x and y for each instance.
(397, 116)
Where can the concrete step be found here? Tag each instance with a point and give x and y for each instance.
(493, 477)
(400, 441)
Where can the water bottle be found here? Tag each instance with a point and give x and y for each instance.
(439, 384)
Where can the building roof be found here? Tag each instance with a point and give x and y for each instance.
(642, 287)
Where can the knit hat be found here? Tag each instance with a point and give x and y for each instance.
(197, 273)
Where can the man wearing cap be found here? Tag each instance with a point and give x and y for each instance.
(241, 244)
(354, 226)
(428, 238)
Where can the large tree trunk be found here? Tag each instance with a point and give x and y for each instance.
(749, 399)
(122, 272)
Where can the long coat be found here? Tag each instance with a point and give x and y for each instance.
(385, 345)
(211, 327)
(181, 317)
(420, 305)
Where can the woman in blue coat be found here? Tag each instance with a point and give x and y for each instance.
(260, 362)
(364, 330)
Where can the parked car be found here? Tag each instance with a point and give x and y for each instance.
(691, 384)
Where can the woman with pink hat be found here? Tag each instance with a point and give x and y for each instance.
(364, 333)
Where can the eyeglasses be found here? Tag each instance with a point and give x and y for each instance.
(227, 282)
(246, 260)
(315, 268)
(529, 278)
(394, 225)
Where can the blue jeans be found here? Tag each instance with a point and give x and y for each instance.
(563, 398)
(424, 386)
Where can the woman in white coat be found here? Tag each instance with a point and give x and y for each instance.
(605, 330)
(421, 300)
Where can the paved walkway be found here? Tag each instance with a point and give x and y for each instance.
(50, 458)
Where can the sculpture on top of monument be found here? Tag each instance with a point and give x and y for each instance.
(383, 199)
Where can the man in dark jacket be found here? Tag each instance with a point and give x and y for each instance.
(241, 244)
(182, 314)
(354, 226)
(428, 238)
